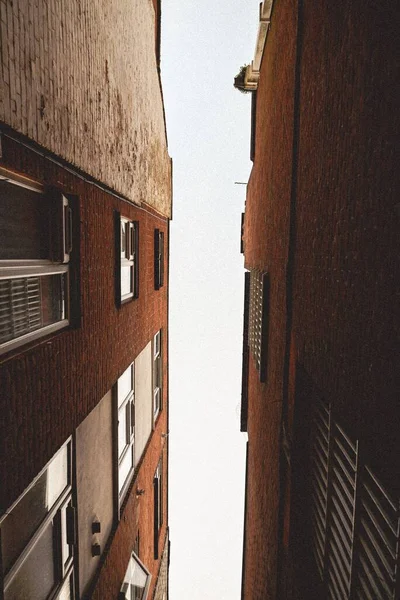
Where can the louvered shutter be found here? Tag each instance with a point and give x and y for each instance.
(20, 307)
(377, 541)
(341, 514)
(355, 523)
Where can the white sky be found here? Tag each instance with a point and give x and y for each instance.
(203, 46)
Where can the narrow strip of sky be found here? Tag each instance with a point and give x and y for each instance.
(203, 46)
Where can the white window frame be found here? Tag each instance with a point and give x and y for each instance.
(57, 265)
(129, 231)
(158, 504)
(123, 595)
(63, 569)
(127, 404)
(157, 374)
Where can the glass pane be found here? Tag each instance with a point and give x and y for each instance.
(29, 303)
(125, 468)
(126, 280)
(36, 578)
(123, 239)
(25, 517)
(24, 223)
(125, 385)
(66, 592)
(122, 428)
(65, 547)
(53, 303)
(137, 578)
(58, 476)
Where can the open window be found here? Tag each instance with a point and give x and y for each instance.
(136, 581)
(37, 536)
(36, 232)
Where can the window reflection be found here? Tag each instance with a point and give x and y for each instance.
(26, 516)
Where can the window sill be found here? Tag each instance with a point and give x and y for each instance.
(32, 336)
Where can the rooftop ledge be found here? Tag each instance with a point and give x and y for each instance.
(247, 79)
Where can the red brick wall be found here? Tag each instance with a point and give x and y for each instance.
(49, 387)
(266, 248)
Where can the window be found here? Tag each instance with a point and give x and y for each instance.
(158, 259)
(158, 506)
(36, 243)
(125, 396)
(136, 581)
(127, 239)
(157, 374)
(258, 320)
(38, 535)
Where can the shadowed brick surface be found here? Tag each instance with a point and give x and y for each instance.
(335, 180)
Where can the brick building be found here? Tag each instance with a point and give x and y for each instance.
(321, 318)
(85, 204)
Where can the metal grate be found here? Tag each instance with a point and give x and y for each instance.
(20, 307)
(255, 322)
(258, 320)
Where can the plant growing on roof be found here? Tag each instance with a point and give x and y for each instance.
(239, 81)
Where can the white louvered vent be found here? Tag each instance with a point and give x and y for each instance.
(20, 307)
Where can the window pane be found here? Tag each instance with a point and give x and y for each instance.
(25, 517)
(125, 384)
(36, 578)
(135, 581)
(24, 223)
(122, 428)
(66, 550)
(57, 476)
(126, 280)
(29, 303)
(66, 592)
(53, 304)
(125, 468)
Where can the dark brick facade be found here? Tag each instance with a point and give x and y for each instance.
(51, 385)
(322, 218)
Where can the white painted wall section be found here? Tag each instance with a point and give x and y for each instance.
(94, 469)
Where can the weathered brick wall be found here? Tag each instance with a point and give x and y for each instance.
(81, 79)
